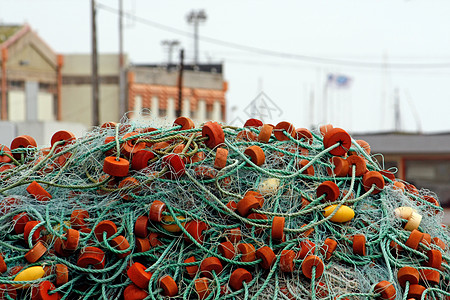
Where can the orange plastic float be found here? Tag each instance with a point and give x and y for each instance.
(132, 292)
(238, 277)
(38, 192)
(234, 235)
(415, 291)
(246, 135)
(430, 277)
(248, 252)
(226, 249)
(306, 248)
(120, 243)
(72, 239)
(169, 286)
(36, 252)
(309, 171)
(62, 136)
(105, 226)
(267, 257)
(388, 174)
(3, 266)
(202, 287)
(42, 291)
(339, 167)
(27, 230)
(156, 211)
(312, 261)
(337, 136)
(329, 189)
(184, 122)
(141, 159)
(253, 123)
(256, 154)
(62, 274)
(131, 146)
(4, 152)
(329, 246)
(128, 184)
(415, 237)
(91, 256)
(214, 132)
(175, 165)
(359, 244)
(20, 221)
(359, 164)
(77, 219)
(287, 261)
(220, 161)
(140, 226)
(210, 264)
(153, 239)
(373, 178)
(142, 244)
(304, 135)
(434, 259)
(116, 166)
(265, 133)
(247, 203)
(409, 274)
(325, 128)
(191, 270)
(195, 228)
(386, 290)
(278, 228)
(138, 275)
(22, 142)
(279, 129)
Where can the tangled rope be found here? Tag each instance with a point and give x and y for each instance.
(216, 212)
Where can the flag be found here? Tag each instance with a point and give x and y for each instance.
(338, 81)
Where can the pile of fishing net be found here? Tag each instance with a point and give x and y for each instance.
(214, 212)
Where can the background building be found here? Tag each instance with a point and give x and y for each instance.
(420, 159)
(30, 77)
(155, 87)
(39, 86)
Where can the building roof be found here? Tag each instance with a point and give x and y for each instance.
(210, 68)
(407, 143)
(7, 31)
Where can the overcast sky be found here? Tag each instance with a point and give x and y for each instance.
(401, 46)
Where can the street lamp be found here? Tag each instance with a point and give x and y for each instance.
(195, 18)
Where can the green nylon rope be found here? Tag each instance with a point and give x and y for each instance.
(73, 174)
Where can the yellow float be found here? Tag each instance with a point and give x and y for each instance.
(167, 221)
(343, 214)
(29, 274)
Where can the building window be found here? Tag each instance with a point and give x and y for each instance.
(162, 113)
(16, 84)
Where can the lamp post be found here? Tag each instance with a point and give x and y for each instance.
(195, 18)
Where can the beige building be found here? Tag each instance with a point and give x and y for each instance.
(30, 76)
(76, 98)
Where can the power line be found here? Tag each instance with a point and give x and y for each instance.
(284, 55)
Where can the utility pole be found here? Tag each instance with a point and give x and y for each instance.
(122, 98)
(171, 45)
(95, 98)
(195, 18)
(180, 83)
